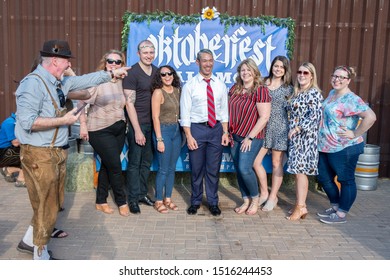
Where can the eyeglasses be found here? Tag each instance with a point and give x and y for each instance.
(303, 73)
(111, 61)
(61, 95)
(340, 78)
(166, 73)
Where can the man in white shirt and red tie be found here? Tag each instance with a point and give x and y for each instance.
(204, 118)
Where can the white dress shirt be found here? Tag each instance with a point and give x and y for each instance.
(193, 101)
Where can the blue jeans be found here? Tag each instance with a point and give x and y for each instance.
(243, 163)
(165, 176)
(138, 168)
(342, 164)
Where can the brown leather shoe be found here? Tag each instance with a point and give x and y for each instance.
(124, 210)
(105, 208)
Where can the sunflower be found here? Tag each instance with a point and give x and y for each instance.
(209, 14)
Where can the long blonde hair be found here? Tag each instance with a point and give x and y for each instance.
(313, 83)
(257, 80)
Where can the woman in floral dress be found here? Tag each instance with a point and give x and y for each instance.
(305, 111)
(280, 88)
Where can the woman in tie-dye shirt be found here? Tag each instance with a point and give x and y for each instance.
(341, 143)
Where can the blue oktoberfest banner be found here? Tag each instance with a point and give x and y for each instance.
(178, 39)
(177, 46)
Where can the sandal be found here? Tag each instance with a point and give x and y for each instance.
(170, 205)
(58, 233)
(270, 205)
(105, 208)
(242, 208)
(160, 207)
(124, 210)
(9, 177)
(252, 210)
(20, 184)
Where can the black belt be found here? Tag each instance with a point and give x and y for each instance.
(207, 123)
(48, 147)
(65, 147)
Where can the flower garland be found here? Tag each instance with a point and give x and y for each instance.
(210, 14)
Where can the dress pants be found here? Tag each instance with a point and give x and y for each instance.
(205, 162)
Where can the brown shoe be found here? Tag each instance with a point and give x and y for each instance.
(124, 210)
(105, 208)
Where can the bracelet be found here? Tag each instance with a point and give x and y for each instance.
(159, 139)
(225, 132)
(250, 138)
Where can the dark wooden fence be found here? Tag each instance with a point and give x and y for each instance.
(328, 33)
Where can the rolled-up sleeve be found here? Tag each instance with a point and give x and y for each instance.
(29, 103)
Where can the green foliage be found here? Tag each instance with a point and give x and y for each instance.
(225, 20)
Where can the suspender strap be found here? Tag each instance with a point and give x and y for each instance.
(54, 104)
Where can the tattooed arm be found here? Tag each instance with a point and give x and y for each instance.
(130, 101)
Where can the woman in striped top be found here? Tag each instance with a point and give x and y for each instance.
(249, 111)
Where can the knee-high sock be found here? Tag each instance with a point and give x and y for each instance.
(28, 236)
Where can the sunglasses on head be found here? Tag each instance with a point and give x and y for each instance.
(303, 72)
(111, 61)
(166, 73)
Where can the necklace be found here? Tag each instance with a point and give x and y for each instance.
(274, 83)
(273, 87)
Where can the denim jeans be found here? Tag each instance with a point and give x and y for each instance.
(108, 143)
(139, 162)
(165, 177)
(243, 163)
(342, 164)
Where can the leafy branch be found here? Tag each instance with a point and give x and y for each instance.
(225, 20)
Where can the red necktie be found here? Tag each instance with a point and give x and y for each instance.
(210, 105)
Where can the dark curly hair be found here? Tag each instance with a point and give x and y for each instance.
(157, 82)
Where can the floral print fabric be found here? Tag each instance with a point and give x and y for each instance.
(338, 113)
